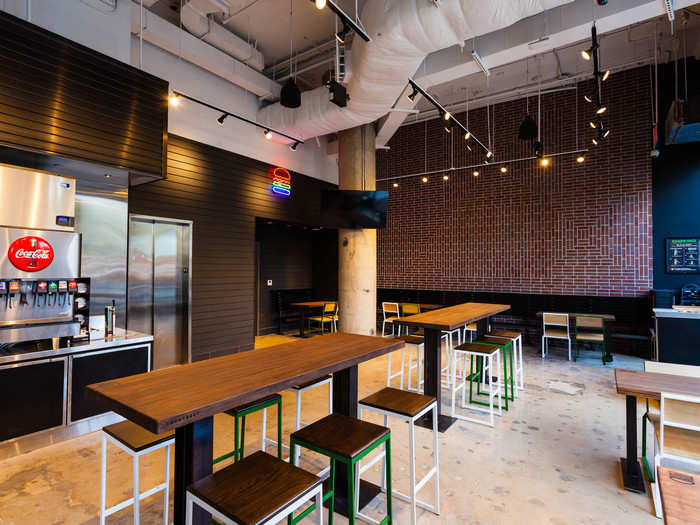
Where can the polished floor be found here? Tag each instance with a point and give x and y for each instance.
(552, 459)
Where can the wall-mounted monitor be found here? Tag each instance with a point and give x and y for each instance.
(682, 255)
(354, 209)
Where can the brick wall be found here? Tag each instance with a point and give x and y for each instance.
(571, 229)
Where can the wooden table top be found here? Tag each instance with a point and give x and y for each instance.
(310, 304)
(572, 315)
(651, 384)
(453, 316)
(176, 396)
(680, 496)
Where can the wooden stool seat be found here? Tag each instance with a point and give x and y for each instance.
(136, 437)
(399, 401)
(251, 406)
(411, 339)
(313, 382)
(477, 348)
(342, 435)
(254, 489)
(590, 337)
(505, 333)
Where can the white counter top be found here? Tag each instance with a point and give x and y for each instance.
(677, 314)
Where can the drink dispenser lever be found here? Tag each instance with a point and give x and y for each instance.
(62, 292)
(3, 291)
(12, 290)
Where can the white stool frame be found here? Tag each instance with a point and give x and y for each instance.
(517, 360)
(316, 493)
(415, 487)
(397, 313)
(135, 500)
(546, 338)
(420, 348)
(389, 375)
(494, 387)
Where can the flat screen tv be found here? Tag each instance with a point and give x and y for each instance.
(354, 209)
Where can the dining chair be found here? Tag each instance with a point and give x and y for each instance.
(554, 326)
(653, 406)
(408, 309)
(329, 314)
(677, 437)
(390, 311)
(589, 329)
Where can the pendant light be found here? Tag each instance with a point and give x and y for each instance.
(290, 95)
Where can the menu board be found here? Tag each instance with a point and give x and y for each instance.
(682, 255)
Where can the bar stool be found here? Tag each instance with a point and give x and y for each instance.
(135, 441)
(257, 490)
(347, 440)
(409, 407)
(506, 347)
(517, 339)
(488, 362)
(299, 389)
(412, 341)
(240, 412)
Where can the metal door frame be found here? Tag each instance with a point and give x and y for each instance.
(166, 220)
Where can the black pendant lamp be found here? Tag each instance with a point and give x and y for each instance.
(528, 128)
(290, 96)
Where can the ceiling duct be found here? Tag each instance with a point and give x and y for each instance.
(403, 33)
(197, 17)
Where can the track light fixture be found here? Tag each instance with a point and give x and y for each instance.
(504, 169)
(445, 177)
(412, 95)
(606, 75)
(586, 54)
(587, 98)
(539, 149)
(601, 110)
(544, 162)
(599, 77)
(395, 185)
(345, 18)
(446, 115)
(592, 124)
(475, 173)
(480, 62)
(294, 146)
(594, 141)
(425, 179)
(175, 97)
(489, 154)
(606, 133)
(448, 129)
(580, 159)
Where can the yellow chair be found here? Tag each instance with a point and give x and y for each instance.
(329, 314)
(409, 309)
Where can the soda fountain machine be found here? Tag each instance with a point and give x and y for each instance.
(39, 257)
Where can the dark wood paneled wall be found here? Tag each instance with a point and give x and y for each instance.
(223, 193)
(61, 98)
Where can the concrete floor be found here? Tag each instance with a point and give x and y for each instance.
(552, 459)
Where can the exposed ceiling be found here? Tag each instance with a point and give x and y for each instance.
(621, 49)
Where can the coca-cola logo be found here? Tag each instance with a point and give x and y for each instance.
(30, 254)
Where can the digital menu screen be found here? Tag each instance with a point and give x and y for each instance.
(682, 255)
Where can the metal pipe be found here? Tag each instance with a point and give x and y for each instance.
(510, 161)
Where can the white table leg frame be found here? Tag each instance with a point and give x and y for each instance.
(316, 493)
(135, 500)
(433, 473)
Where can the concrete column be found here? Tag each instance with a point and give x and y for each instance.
(357, 258)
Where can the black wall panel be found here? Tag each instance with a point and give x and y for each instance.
(58, 97)
(223, 193)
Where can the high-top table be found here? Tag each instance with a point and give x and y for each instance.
(433, 323)
(633, 383)
(186, 397)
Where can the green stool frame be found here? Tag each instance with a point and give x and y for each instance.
(475, 377)
(507, 351)
(351, 465)
(239, 427)
(590, 330)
